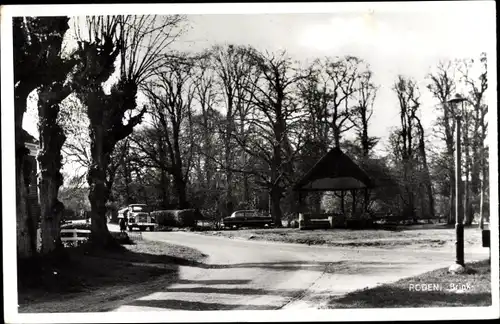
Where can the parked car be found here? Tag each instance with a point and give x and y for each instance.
(247, 218)
(138, 216)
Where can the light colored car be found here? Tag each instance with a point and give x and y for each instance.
(138, 216)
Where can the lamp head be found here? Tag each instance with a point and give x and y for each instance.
(456, 99)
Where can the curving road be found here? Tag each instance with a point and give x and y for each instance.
(240, 274)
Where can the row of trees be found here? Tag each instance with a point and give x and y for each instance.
(470, 77)
(233, 128)
(230, 127)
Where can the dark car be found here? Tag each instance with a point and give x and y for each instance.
(247, 218)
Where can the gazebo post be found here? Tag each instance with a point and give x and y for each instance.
(366, 200)
(353, 194)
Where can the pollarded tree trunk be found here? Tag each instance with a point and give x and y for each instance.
(51, 141)
(98, 189)
(51, 213)
(26, 229)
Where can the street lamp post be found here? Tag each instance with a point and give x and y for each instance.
(459, 210)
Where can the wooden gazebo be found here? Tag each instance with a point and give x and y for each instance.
(335, 172)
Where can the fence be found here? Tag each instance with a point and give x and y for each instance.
(74, 236)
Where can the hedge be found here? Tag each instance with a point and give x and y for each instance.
(175, 218)
(76, 226)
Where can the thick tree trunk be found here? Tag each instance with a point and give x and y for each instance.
(180, 188)
(164, 189)
(336, 136)
(98, 190)
(51, 212)
(52, 139)
(26, 241)
(51, 179)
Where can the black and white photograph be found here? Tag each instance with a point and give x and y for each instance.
(247, 162)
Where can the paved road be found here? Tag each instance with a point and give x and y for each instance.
(252, 275)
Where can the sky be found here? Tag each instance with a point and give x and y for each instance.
(394, 40)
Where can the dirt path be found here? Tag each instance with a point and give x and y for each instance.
(241, 274)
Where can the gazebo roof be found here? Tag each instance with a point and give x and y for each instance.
(333, 172)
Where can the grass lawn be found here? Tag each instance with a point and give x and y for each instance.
(83, 279)
(449, 290)
(431, 236)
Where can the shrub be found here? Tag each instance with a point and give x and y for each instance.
(165, 217)
(175, 218)
(185, 218)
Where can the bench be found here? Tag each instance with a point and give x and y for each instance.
(315, 221)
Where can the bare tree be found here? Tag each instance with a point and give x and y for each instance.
(407, 93)
(171, 99)
(361, 114)
(207, 96)
(273, 125)
(426, 184)
(442, 85)
(230, 64)
(141, 43)
(475, 131)
(337, 78)
(52, 138)
(365, 95)
(38, 65)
